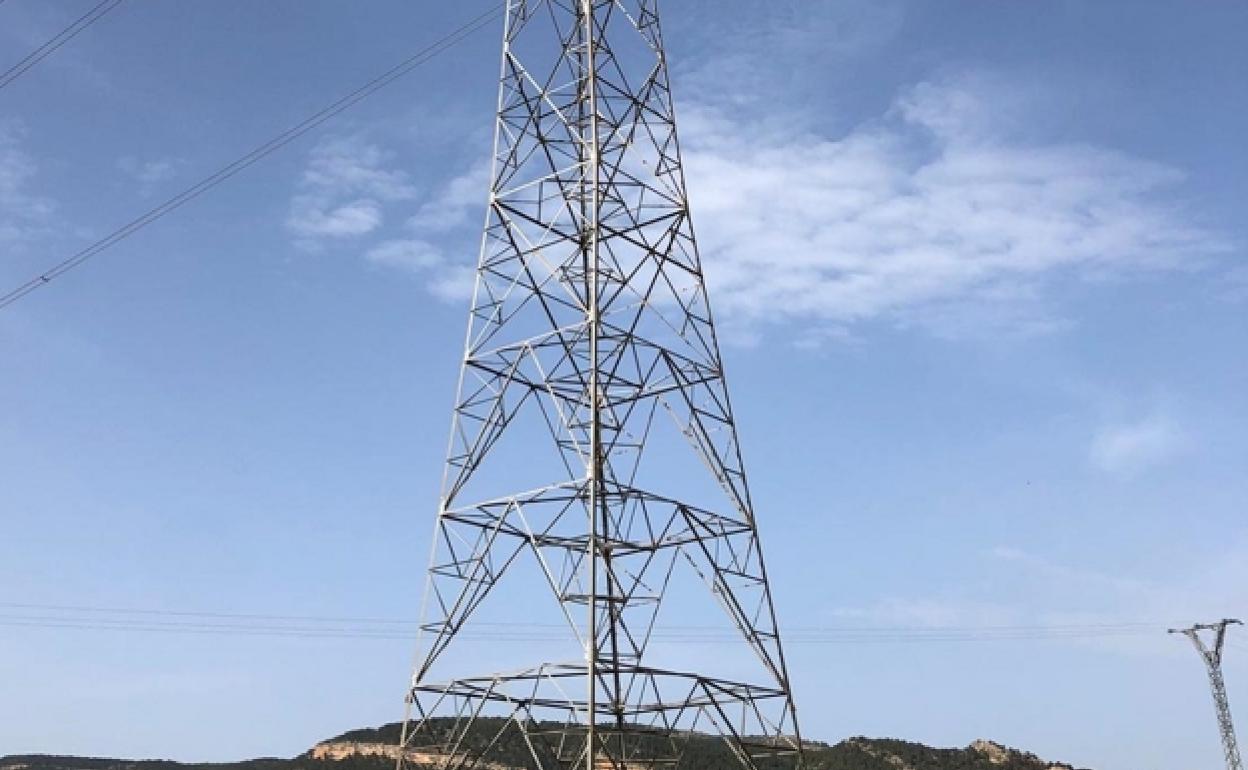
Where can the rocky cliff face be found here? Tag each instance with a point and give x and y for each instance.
(337, 751)
(1000, 755)
(866, 747)
(995, 752)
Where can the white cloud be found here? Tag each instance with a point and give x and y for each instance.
(972, 107)
(1132, 447)
(452, 207)
(149, 174)
(454, 283)
(343, 192)
(1209, 586)
(346, 165)
(932, 215)
(927, 216)
(23, 213)
(349, 193)
(444, 279)
(414, 255)
(931, 613)
(357, 217)
(446, 215)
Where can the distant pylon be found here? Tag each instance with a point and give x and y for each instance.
(593, 441)
(1213, 661)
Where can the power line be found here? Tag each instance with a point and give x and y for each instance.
(73, 617)
(546, 637)
(685, 633)
(201, 630)
(255, 616)
(56, 41)
(198, 614)
(253, 157)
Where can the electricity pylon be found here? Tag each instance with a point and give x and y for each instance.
(593, 439)
(1212, 657)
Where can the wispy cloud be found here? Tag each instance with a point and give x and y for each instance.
(439, 241)
(446, 279)
(1128, 448)
(933, 215)
(1084, 604)
(351, 194)
(411, 255)
(930, 613)
(940, 213)
(929, 215)
(149, 174)
(343, 192)
(451, 208)
(1064, 576)
(1208, 587)
(23, 212)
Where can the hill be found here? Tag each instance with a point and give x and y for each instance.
(374, 749)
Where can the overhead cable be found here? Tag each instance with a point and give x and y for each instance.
(251, 158)
(77, 608)
(71, 609)
(847, 637)
(51, 616)
(56, 41)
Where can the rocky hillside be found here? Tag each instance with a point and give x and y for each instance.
(374, 749)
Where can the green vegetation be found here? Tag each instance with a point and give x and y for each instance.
(48, 762)
(700, 753)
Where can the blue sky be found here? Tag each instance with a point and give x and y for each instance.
(981, 272)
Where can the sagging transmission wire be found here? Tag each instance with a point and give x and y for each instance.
(56, 41)
(256, 155)
(163, 621)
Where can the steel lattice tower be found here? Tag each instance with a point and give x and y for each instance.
(1212, 656)
(591, 351)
